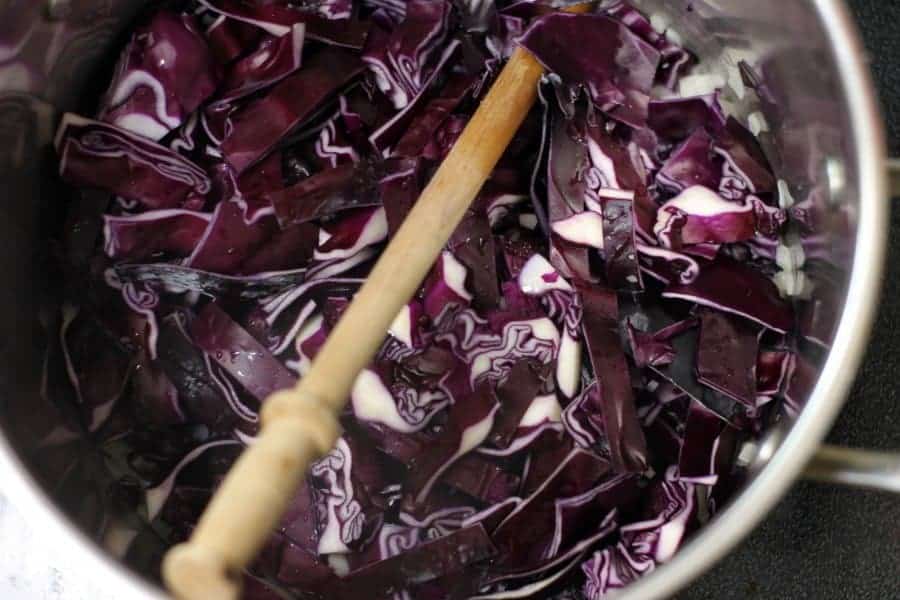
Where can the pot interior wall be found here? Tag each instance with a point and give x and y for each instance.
(55, 56)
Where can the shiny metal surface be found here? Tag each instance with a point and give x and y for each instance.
(857, 468)
(825, 130)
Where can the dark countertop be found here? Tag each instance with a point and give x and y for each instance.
(823, 542)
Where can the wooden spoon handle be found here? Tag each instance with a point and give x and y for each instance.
(299, 426)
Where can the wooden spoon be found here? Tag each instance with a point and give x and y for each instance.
(300, 425)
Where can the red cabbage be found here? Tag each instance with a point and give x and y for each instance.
(619, 71)
(401, 59)
(569, 386)
(746, 169)
(229, 38)
(726, 355)
(256, 128)
(98, 155)
(675, 61)
(274, 59)
(528, 536)
(346, 517)
(237, 352)
(328, 21)
(700, 216)
(515, 396)
(616, 403)
(322, 194)
(468, 426)
(644, 544)
(171, 232)
(678, 118)
(473, 245)
(165, 74)
(691, 164)
(419, 564)
(734, 287)
(707, 446)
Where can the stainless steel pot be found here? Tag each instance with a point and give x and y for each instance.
(825, 129)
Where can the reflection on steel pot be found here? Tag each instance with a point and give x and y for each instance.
(813, 108)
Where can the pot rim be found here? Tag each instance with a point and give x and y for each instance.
(721, 535)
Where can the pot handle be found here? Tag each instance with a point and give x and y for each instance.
(893, 165)
(857, 468)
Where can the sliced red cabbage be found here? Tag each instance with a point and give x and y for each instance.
(473, 245)
(700, 216)
(614, 176)
(620, 256)
(273, 59)
(401, 59)
(773, 368)
(206, 393)
(99, 376)
(582, 418)
(515, 396)
(446, 286)
(323, 194)
(667, 265)
(618, 74)
(654, 349)
(745, 169)
(644, 544)
(156, 497)
(255, 128)
(679, 118)
(468, 426)
(533, 532)
(425, 125)
(233, 248)
(627, 445)
(399, 189)
(386, 396)
(734, 287)
(707, 446)
(692, 163)
(170, 232)
(543, 416)
(481, 479)
(583, 229)
(537, 277)
(419, 563)
(346, 518)
(565, 199)
(726, 355)
(251, 187)
(393, 130)
(406, 327)
(329, 22)
(230, 245)
(98, 155)
(675, 61)
(239, 353)
(165, 74)
(351, 233)
(229, 38)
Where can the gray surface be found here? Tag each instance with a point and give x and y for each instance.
(821, 542)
